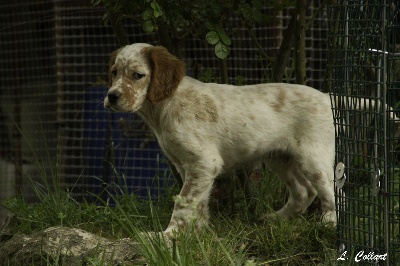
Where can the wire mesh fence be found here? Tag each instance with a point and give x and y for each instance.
(54, 59)
(364, 81)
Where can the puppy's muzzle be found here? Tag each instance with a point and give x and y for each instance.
(112, 99)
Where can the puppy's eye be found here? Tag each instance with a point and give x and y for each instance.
(137, 75)
(114, 73)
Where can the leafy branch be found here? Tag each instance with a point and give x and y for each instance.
(178, 20)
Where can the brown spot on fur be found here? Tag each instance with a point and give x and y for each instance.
(216, 171)
(195, 176)
(182, 224)
(299, 95)
(186, 188)
(280, 101)
(317, 176)
(252, 117)
(167, 73)
(179, 206)
(210, 109)
(202, 210)
(202, 106)
(197, 193)
(172, 223)
(128, 92)
(298, 141)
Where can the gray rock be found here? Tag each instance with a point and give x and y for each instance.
(61, 245)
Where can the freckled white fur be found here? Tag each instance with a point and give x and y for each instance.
(209, 129)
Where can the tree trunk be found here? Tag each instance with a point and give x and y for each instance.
(300, 52)
(284, 51)
(223, 68)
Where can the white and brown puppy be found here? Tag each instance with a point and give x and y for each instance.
(207, 129)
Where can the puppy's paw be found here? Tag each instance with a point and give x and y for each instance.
(276, 216)
(270, 217)
(329, 218)
(170, 232)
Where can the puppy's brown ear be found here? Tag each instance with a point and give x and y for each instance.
(113, 56)
(167, 73)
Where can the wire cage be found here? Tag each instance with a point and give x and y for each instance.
(364, 81)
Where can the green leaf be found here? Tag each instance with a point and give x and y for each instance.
(212, 37)
(221, 50)
(224, 37)
(210, 26)
(221, 33)
(96, 2)
(156, 9)
(148, 26)
(106, 19)
(157, 13)
(146, 15)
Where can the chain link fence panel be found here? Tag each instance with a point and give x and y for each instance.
(364, 82)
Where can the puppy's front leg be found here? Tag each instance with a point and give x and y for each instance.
(191, 204)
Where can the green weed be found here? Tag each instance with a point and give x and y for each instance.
(234, 237)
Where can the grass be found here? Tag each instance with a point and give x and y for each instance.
(234, 237)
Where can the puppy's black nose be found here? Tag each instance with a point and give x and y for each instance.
(113, 97)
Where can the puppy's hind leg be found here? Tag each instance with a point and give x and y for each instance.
(301, 192)
(323, 184)
(320, 174)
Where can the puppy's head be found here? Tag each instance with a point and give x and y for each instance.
(141, 72)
